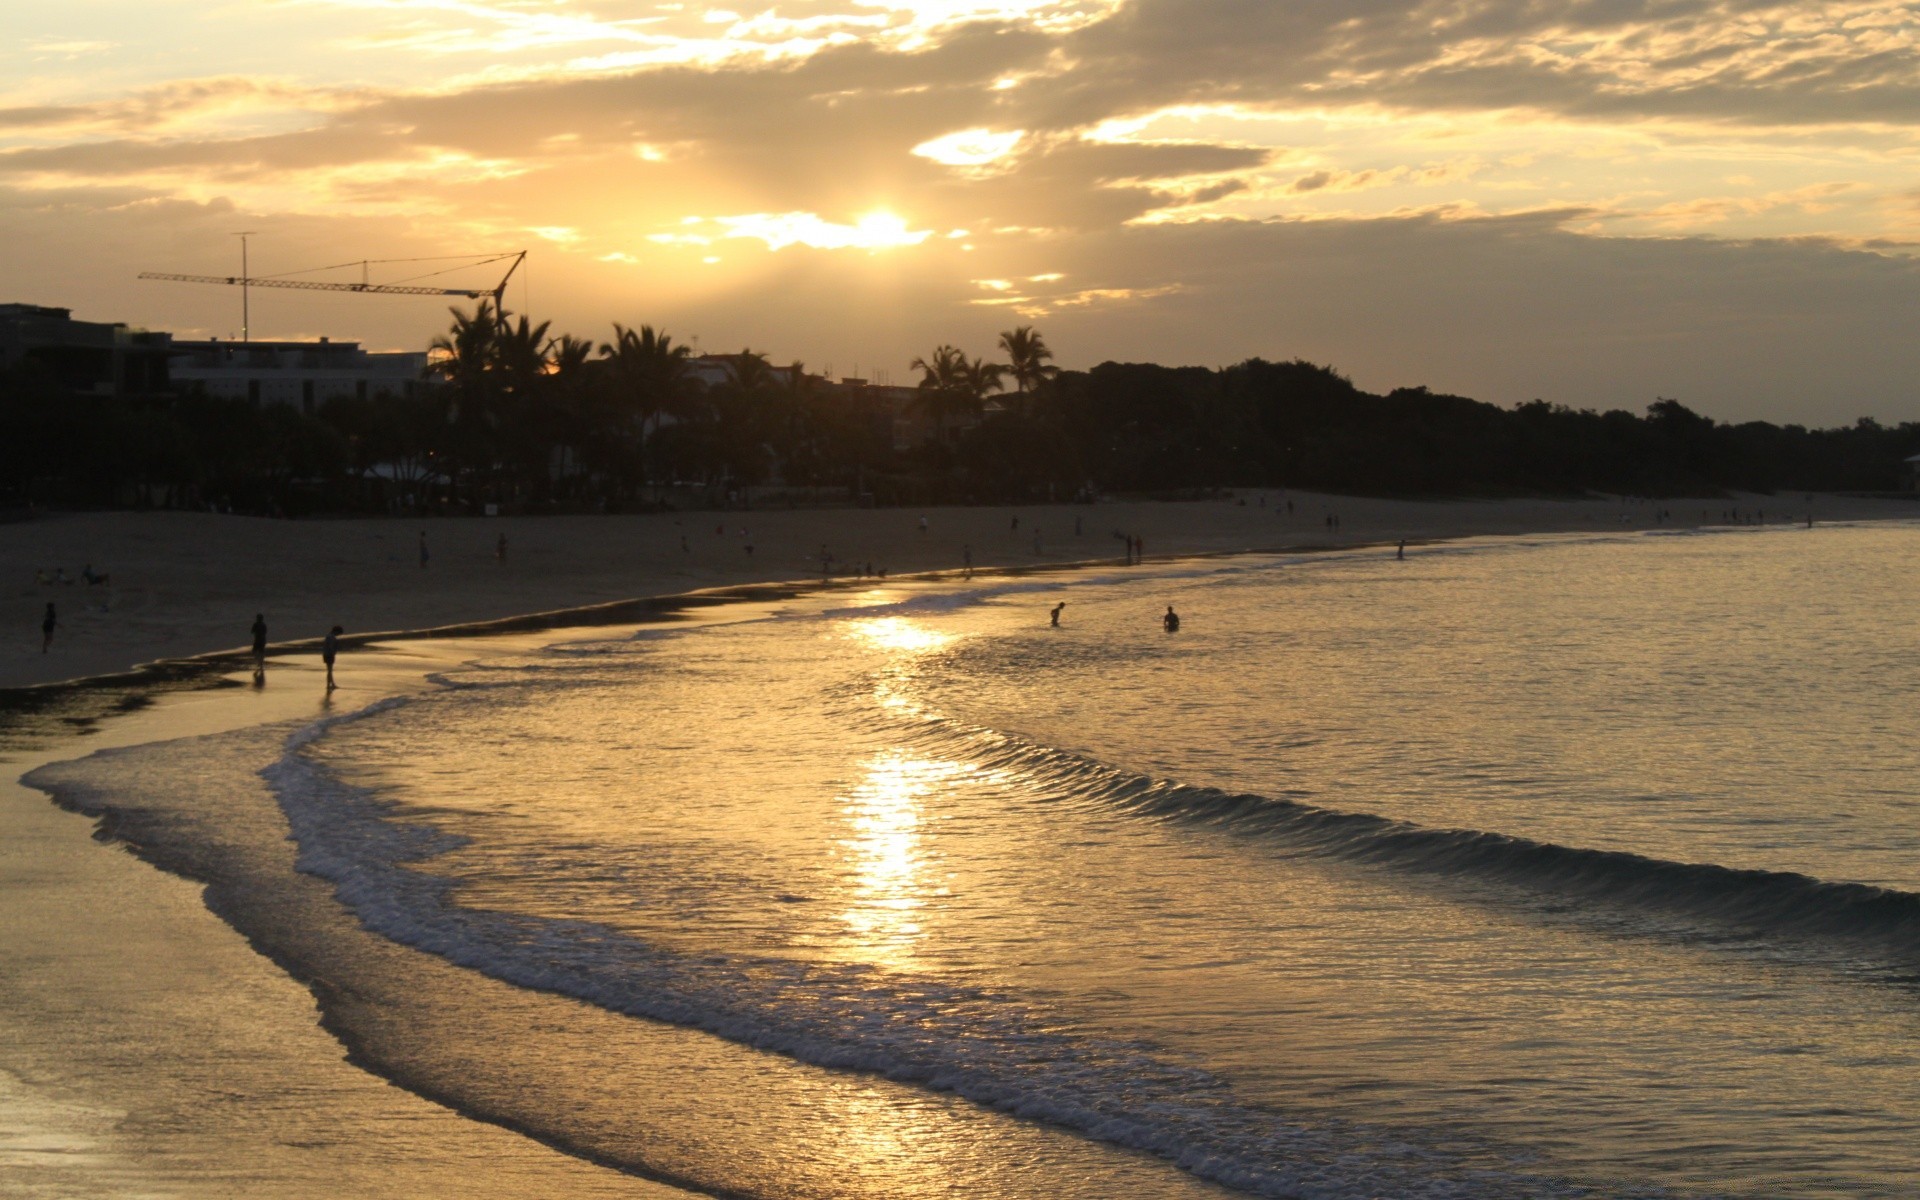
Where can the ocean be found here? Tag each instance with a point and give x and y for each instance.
(1581, 865)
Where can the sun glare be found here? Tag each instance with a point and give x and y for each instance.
(878, 230)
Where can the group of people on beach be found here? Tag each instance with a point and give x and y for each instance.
(329, 651)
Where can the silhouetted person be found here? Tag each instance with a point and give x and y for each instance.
(259, 644)
(423, 549)
(1056, 613)
(329, 650)
(1402, 552)
(1170, 622)
(500, 548)
(48, 624)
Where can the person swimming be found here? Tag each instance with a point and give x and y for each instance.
(1170, 622)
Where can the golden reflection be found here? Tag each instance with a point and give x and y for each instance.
(898, 633)
(886, 875)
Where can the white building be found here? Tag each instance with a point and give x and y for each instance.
(304, 374)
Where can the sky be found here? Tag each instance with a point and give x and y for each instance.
(1596, 203)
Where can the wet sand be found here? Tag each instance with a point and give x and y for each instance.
(146, 1050)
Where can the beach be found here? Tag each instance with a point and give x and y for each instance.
(186, 584)
(156, 1052)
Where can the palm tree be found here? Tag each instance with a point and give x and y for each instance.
(1027, 356)
(952, 386)
(743, 416)
(566, 418)
(464, 355)
(797, 425)
(648, 378)
(467, 356)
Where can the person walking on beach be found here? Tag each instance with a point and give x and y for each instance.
(1402, 552)
(1056, 613)
(1170, 622)
(330, 649)
(423, 550)
(47, 625)
(259, 644)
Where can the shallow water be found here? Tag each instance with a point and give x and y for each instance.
(1561, 866)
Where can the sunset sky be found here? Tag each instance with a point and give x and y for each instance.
(1592, 202)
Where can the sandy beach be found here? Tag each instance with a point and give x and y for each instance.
(152, 1048)
(184, 584)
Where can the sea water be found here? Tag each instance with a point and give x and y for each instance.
(1562, 866)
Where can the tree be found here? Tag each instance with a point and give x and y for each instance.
(742, 415)
(464, 356)
(1027, 356)
(648, 379)
(953, 386)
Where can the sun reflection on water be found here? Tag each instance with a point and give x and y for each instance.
(904, 642)
(898, 633)
(887, 878)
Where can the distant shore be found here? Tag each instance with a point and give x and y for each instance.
(187, 584)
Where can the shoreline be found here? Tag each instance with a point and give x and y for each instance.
(178, 607)
(236, 906)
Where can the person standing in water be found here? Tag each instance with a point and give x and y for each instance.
(259, 644)
(47, 625)
(500, 547)
(423, 549)
(1056, 613)
(329, 650)
(1170, 622)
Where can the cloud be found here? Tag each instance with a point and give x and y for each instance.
(1377, 183)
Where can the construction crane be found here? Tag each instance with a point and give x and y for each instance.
(244, 281)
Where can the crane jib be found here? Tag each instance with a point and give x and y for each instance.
(314, 285)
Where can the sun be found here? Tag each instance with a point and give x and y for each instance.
(882, 228)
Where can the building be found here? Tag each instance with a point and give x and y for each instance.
(92, 358)
(88, 358)
(303, 374)
(718, 370)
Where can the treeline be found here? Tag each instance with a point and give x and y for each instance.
(534, 422)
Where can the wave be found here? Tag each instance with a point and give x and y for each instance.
(1001, 1050)
(1746, 902)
